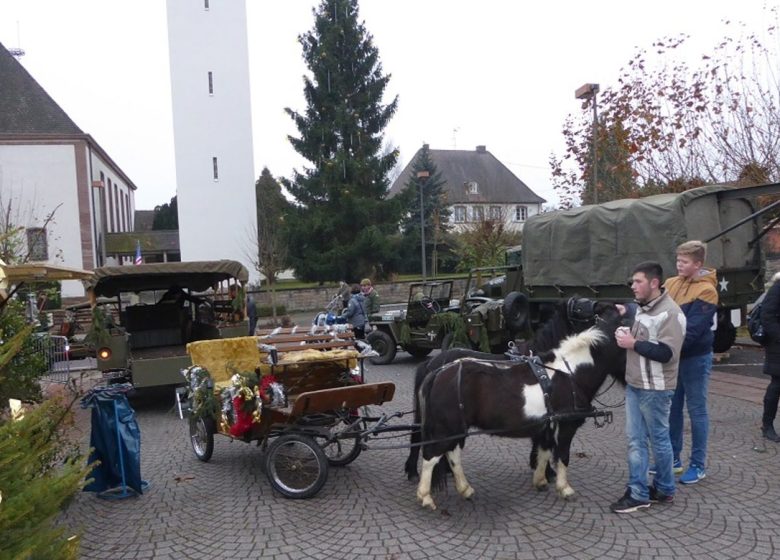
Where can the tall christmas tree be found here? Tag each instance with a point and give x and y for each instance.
(342, 219)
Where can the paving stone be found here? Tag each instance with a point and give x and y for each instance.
(368, 510)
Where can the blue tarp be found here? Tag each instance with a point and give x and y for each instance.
(115, 440)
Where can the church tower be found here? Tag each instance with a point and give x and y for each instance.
(212, 126)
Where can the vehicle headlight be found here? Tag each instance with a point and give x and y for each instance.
(104, 353)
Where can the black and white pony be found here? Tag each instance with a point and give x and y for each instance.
(563, 319)
(506, 399)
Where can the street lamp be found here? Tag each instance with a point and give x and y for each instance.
(587, 91)
(422, 176)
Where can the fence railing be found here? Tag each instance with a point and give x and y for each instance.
(57, 360)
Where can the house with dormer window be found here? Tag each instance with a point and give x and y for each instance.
(478, 187)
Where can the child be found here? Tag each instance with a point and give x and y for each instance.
(694, 290)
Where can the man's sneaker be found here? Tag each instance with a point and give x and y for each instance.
(693, 475)
(657, 497)
(627, 504)
(677, 468)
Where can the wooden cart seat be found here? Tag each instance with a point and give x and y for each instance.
(354, 396)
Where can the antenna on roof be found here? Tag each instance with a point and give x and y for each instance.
(455, 137)
(17, 51)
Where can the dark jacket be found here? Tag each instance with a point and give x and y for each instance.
(770, 319)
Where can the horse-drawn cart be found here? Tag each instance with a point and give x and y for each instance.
(298, 394)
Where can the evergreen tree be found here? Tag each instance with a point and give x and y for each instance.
(39, 473)
(166, 216)
(271, 254)
(435, 208)
(342, 218)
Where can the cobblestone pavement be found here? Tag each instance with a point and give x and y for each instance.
(367, 510)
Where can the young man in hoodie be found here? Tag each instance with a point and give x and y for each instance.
(694, 289)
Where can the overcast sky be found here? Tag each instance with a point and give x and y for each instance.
(496, 72)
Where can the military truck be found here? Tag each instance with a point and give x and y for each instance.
(161, 308)
(590, 251)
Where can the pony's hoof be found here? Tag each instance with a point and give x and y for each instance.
(468, 493)
(567, 493)
(427, 502)
(541, 487)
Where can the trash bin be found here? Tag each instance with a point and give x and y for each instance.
(115, 441)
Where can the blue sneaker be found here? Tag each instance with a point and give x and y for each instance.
(693, 475)
(677, 468)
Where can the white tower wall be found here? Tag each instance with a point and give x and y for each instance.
(217, 216)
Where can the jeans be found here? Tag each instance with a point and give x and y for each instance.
(693, 380)
(647, 417)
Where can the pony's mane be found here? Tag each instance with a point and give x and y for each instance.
(576, 349)
(581, 341)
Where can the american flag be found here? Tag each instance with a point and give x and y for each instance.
(138, 258)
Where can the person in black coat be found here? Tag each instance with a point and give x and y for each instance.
(770, 320)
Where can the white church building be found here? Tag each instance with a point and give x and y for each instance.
(50, 168)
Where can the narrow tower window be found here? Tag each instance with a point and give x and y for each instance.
(216, 168)
(205, 4)
(211, 83)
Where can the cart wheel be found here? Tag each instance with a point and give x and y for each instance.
(345, 448)
(384, 346)
(296, 466)
(202, 437)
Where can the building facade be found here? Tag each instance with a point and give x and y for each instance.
(61, 186)
(478, 187)
(212, 123)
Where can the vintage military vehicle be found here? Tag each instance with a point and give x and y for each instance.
(161, 308)
(590, 251)
(419, 328)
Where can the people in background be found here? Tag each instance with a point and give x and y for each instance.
(355, 313)
(770, 320)
(694, 289)
(652, 353)
(371, 297)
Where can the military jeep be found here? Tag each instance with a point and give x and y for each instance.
(418, 329)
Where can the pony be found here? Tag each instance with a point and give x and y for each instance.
(564, 318)
(507, 399)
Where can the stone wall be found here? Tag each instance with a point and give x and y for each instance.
(315, 299)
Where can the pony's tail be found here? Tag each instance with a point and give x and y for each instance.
(410, 467)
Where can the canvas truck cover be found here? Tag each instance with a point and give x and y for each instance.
(599, 245)
(109, 281)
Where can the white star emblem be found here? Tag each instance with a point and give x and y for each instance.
(724, 285)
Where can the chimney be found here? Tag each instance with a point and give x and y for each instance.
(481, 150)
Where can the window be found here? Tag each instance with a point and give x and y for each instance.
(216, 168)
(205, 4)
(472, 187)
(37, 244)
(110, 205)
(521, 213)
(495, 213)
(211, 83)
(479, 213)
(460, 214)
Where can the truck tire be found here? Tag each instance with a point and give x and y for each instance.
(515, 311)
(725, 334)
(384, 345)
